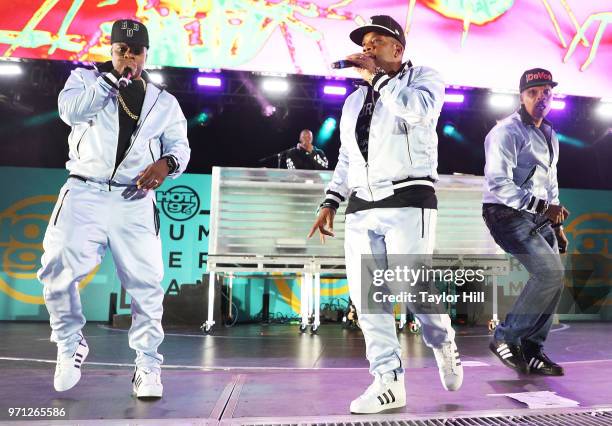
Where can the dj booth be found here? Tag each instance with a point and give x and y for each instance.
(260, 218)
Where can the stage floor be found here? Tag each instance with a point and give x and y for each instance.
(271, 374)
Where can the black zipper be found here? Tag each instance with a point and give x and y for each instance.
(407, 142)
(151, 151)
(422, 222)
(156, 218)
(529, 176)
(60, 207)
(134, 136)
(368, 181)
(79, 142)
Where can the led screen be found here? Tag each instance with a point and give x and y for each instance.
(479, 43)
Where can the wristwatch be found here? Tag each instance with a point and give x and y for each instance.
(171, 162)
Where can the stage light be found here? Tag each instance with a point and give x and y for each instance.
(268, 110)
(558, 104)
(156, 77)
(568, 140)
(7, 69)
(202, 119)
(604, 109)
(208, 81)
(40, 119)
(502, 101)
(326, 131)
(275, 85)
(450, 131)
(454, 98)
(332, 90)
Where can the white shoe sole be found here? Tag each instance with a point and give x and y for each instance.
(392, 406)
(153, 391)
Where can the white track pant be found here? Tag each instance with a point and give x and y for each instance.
(87, 219)
(390, 231)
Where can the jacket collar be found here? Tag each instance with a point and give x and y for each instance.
(402, 71)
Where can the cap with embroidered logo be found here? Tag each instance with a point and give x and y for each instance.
(382, 24)
(131, 32)
(536, 77)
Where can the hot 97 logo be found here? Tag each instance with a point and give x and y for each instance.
(179, 203)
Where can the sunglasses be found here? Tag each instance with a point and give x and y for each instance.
(122, 50)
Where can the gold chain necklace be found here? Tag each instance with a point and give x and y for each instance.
(125, 107)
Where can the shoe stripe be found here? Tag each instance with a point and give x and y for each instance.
(458, 364)
(502, 347)
(504, 352)
(387, 400)
(77, 366)
(78, 355)
(540, 365)
(381, 400)
(392, 396)
(532, 362)
(82, 344)
(506, 356)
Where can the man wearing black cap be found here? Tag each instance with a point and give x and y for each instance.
(127, 136)
(522, 211)
(387, 168)
(305, 155)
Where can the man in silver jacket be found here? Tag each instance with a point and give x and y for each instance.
(127, 136)
(522, 211)
(387, 169)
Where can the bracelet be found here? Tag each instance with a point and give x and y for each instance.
(326, 205)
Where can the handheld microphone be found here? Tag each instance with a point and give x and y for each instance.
(343, 63)
(126, 78)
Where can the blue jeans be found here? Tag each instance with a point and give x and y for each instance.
(529, 321)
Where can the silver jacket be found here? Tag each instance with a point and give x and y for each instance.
(88, 103)
(403, 144)
(521, 167)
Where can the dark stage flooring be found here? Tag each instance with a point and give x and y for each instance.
(270, 374)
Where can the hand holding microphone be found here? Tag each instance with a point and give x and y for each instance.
(126, 77)
(363, 64)
(343, 63)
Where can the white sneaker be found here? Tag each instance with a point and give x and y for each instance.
(387, 392)
(147, 383)
(449, 366)
(68, 368)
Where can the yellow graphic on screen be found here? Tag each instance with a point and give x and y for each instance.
(22, 228)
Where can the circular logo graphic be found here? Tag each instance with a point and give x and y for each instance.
(179, 203)
(22, 228)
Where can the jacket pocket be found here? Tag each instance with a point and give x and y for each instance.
(156, 218)
(530, 175)
(151, 150)
(78, 145)
(59, 209)
(407, 142)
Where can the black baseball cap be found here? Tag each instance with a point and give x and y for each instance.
(536, 77)
(382, 24)
(130, 32)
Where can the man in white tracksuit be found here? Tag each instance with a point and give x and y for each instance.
(127, 135)
(387, 166)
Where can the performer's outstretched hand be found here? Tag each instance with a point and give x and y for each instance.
(153, 176)
(324, 223)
